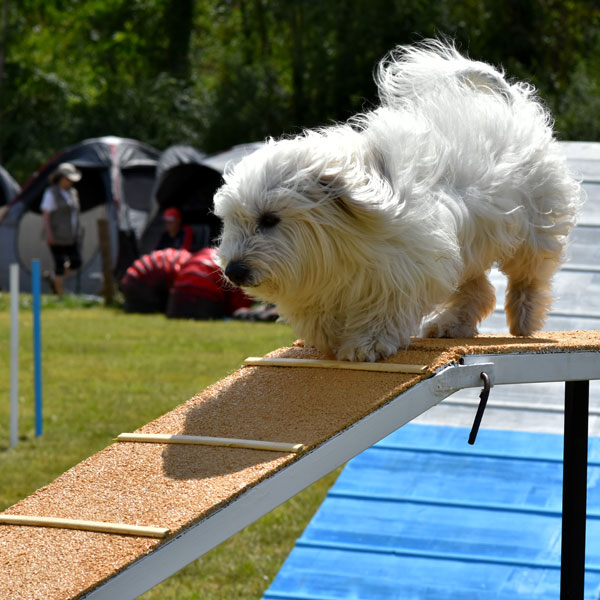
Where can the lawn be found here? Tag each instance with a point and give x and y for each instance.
(105, 372)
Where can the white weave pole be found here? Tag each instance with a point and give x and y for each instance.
(14, 354)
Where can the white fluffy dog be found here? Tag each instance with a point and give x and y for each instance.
(357, 232)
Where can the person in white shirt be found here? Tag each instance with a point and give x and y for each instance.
(60, 211)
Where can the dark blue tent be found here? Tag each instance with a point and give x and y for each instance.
(187, 179)
(118, 176)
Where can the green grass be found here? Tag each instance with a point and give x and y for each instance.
(105, 372)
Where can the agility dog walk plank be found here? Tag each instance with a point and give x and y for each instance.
(205, 494)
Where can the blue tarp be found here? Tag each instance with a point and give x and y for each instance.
(424, 516)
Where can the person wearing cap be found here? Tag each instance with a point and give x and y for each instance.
(175, 234)
(60, 211)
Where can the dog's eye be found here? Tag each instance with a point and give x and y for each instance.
(268, 221)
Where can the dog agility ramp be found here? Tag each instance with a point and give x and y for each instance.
(204, 494)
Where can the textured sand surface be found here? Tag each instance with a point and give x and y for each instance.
(175, 486)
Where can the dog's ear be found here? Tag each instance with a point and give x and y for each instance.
(346, 206)
(334, 190)
(328, 184)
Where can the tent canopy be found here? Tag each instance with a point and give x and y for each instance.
(118, 176)
(187, 179)
(98, 159)
(224, 160)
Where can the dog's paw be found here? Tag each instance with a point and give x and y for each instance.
(366, 353)
(356, 355)
(441, 327)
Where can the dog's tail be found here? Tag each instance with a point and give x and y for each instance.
(408, 73)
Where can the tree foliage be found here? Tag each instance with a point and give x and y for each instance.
(216, 73)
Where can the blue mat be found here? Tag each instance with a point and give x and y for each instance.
(424, 516)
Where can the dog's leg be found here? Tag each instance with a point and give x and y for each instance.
(528, 293)
(467, 307)
(386, 333)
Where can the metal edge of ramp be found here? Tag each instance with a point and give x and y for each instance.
(198, 539)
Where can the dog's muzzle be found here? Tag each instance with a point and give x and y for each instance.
(238, 272)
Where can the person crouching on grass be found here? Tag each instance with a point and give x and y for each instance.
(60, 210)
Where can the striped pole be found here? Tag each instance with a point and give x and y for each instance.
(36, 287)
(14, 354)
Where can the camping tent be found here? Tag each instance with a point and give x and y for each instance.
(184, 182)
(118, 176)
(188, 179)
(221, 161)
(9, 188)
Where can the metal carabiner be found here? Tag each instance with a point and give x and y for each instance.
(483, 398)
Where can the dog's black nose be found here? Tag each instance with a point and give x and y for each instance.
(238, 272)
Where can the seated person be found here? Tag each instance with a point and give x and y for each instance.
(175, 235)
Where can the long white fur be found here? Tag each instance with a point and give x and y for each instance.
(400, 213)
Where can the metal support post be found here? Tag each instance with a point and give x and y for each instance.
(574, 490)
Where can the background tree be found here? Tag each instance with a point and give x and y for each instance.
(215, 73)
